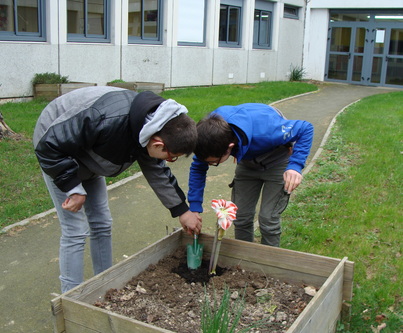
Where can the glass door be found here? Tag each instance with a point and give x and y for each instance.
(365, 49)
(346, 53)
(394, 58)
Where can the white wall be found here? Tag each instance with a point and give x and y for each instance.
(317, 21)
(173, 65)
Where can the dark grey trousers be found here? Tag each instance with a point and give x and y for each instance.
(249, 185)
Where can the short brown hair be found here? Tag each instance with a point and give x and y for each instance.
(214, 135)
(179, 135)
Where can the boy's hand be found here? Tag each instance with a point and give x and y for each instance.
(74, 203)
(191, 222)
(292, 179)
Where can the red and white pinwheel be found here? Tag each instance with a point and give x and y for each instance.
(226, 213)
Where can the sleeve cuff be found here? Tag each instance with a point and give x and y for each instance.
(179, 210)
(196, 206)
(79, 189)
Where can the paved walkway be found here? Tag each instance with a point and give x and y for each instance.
(29, 254)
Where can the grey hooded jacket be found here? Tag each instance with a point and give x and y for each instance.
(95, 131)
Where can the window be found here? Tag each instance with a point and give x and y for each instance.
(22, 20)
(262, 29)
(262, 24)
(230, 26)
(291, 12)
(88, 21)
(145, 21)
(191, 23)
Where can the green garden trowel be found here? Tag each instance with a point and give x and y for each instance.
(194, 253)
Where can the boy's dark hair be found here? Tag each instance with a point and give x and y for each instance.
(179, 135)
(214, 135)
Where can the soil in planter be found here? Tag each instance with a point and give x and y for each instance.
(170, 296)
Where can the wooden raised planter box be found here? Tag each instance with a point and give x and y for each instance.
(73, 311)
(52, 91)
(139, 86)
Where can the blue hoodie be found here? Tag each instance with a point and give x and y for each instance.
(259, 128)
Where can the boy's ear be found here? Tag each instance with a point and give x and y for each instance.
(231, 145)
(156, 142)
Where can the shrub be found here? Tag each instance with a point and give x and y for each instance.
(117, 81)
(49, 78)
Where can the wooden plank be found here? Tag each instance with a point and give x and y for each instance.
(123, 85)
(323, 310)
(151, 86)
(58, 316)
(81, 317)
(67, 87)
(118, 275)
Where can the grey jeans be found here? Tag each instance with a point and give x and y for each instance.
(93, 220)
(248, 186)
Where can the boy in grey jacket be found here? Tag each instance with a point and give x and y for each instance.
(94, 132)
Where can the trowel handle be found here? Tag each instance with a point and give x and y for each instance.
(195, 237)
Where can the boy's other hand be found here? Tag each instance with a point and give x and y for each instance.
(191, 222)
(74, 203)
(292, 179)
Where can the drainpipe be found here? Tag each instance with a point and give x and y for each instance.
(304, 30)
(58, 37)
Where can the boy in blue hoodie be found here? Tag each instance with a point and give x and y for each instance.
(270, 151)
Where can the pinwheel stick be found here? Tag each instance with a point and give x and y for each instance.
(216, 250)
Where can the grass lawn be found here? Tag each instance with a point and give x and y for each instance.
(350, 204)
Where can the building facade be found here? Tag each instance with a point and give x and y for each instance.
(199, 42)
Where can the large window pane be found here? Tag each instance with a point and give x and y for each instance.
(144, 19)
(395, 17)
(96, 12)
(135, 18)
(376, 70)
(233, 25)
(349, 17)
(75, 17)
(357, 68)
(27, 16)
(7, 16)
(338, 65)
(223, 23)
(379, 41)
(340, 41)
(191, 21)
(394, 74)
(396, 42)
(151, 19)
(359, 40)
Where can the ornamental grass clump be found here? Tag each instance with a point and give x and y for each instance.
(221, 317)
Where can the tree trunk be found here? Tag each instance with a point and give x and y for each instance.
(5, 130)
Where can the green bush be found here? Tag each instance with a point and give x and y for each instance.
(49, 78)
(117, 81)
